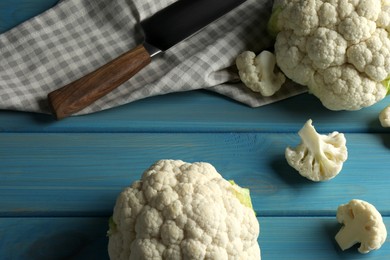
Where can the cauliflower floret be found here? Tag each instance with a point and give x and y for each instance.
(326, 48)
(328, 16)
(356, 28)
(337, 86)
(180, 210)
(314, 36)
(318, 157)
(369, 9)
(291, 48)
(302, 18)
(362, 224)
(372, 57)
(384, 117)
(257, 72)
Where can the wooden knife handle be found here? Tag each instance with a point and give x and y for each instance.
(79, 94)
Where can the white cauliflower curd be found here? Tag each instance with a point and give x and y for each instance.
(384, 117)
(339, 49)
(181, 210)
(258, 72)
(362, 223)
(318, 157)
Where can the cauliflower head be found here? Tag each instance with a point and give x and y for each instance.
(384, 117)
(339, 49)
(318, 157)
(181, 210)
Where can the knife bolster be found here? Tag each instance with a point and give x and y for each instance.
(152, 50)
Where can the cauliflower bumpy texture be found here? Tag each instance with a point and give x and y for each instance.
(259, 73)
(318, 157)
(384, 117)
(181, 210)
(339, 49)
(362, 223)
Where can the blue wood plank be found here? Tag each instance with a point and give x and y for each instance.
(14, 12)
(309, 238)
(186, 112)
(292, 238)
(202, 111)
(53, 238)
(91, 169)
(66, 175)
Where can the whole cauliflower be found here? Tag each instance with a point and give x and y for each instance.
(339, 49)
(181, 210)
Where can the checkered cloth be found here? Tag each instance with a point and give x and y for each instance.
(77, 36)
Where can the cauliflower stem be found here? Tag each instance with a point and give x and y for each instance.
(347, 236)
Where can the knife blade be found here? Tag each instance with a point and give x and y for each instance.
(163, 30)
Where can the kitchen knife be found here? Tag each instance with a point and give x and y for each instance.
(163, 30)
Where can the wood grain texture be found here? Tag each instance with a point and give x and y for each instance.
(91, 169)
(303, 238)
(59, 179)
(203, 111)
(79, 94)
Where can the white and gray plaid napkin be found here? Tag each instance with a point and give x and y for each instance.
(77, 36)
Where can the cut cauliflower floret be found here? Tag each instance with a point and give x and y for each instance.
(318, 157)
(181, 210)
(258, 72)
(362, 223)
(317, 35)
(384, 117)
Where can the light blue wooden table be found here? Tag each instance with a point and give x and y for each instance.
(59, 180)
